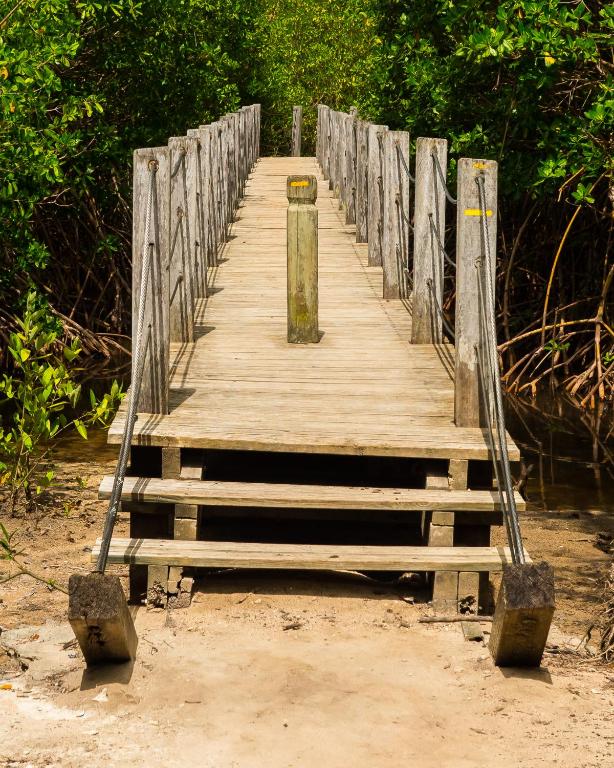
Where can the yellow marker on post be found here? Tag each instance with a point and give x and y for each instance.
(299, 183)
(477, 212)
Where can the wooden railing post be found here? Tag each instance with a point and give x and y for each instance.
(183, 236)
(362, 181)
(297, 126)
(429, 237)
(200, 235)
(375, 183)
(153, 396)
(469, 255)
(350, 169)
(396, 213)
(326, 138)
(302, 238)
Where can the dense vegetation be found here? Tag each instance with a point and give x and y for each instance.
(528, 83)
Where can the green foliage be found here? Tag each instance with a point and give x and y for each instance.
(308, 52)
(528, 82)
(81, 85)
(36, 396)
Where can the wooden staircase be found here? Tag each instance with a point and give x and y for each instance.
(183, 506)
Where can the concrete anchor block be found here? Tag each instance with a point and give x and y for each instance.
(523, 615)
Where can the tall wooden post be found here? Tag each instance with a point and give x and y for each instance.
(396, 213)
(302, 260)
(375, 184)
(469, 257)
(362, 181)
(153, 397)
(350, 169)
(429, 235)
(297, 125)
(183, 236)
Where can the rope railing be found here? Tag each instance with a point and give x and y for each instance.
(200, 179)
(439, 172)
(401, 159)
(135, 387)
(440, 245)
(489, 372)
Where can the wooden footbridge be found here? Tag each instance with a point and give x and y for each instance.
(386, 424)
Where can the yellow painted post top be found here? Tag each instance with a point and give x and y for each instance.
(302, 189)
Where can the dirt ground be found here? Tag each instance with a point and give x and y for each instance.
(283, 670)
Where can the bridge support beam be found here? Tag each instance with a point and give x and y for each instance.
(302, 260)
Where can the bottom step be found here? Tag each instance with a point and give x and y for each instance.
(225, 554)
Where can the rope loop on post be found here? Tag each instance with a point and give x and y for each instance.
(439, 172)
(401, 158)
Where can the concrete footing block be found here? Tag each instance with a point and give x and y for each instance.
(99, 616)
(523, 615)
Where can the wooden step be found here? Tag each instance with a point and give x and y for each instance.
(233, 494)
(225, 554)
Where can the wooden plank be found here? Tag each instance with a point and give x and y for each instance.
(375, 184)
(469, 256)
(153, 396)
(429, 236)
(219, 554)
(220, 493)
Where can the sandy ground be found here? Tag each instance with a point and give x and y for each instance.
(283, 670)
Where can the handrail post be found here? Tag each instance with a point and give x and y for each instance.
(350, 169)
(375, 184)
(297, 125)
(362, 181)
(396, 214)
(429, 236)
(153, 397)
(302, 239)
(183, 236)
(468, 336)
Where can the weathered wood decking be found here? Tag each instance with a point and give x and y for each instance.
(364, 389)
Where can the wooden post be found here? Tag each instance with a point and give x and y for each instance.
(155, 383)
(429, 233)
(396, 213)
(297, 125)
(183, 229)
(469, 257)
(339, 157)
(302, 260)
(350, 169)
(523, 615)
(362, 181)
(326, 138)
(375, 182)
(198, 213)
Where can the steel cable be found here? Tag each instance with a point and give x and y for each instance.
(444, 322)
(401, 157)
(137, 376)
(488, 305)
(438, 170)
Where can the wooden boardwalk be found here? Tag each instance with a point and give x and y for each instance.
(363, 389)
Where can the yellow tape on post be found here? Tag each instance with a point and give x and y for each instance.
(477, 212)
(299, 183)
